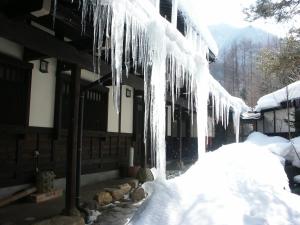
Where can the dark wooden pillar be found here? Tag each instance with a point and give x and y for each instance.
(274, 120)
(119, 126)
(58, 100)
(179, 132)
(70, 200)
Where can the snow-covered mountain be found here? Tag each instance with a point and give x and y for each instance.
(225, 35)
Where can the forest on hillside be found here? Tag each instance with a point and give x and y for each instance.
(251, 62)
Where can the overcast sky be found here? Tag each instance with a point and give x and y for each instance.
(230, 12)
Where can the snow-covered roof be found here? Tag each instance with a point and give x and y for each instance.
(250, 116)
(187, 7)
(274, 99)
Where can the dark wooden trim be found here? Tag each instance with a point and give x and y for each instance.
(28, 79)
(120, 120)
(274, 118)
(137, 82)
(179, 128)
(58, 101)
(43, 42)
(15, 62)
(70, 201)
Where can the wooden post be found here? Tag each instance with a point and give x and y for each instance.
(180, 135)
(119, 125)
(70, 201)
(274, 121)
(288, 112)
(58, 100)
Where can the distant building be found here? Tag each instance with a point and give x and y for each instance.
(279, 113)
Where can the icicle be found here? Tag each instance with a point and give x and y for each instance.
(160, 50)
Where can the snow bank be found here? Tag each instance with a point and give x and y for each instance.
(239, 184)
(275, 98)
(289, 150)
(278, 145)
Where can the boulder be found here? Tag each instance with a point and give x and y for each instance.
(103, 198)
(138, 194)
(62, 220)
(125, 188)
(117, 194)
(134, 183)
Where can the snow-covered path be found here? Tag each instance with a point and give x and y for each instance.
(238, 184)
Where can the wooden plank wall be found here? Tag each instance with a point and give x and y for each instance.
(101, 152)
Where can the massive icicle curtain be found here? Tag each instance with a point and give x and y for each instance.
(133, 30)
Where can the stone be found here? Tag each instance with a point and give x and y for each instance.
(138, 194)
(62, 220)
(117, 194)
(134, 183)
(103, 197)
(93, 204)
(125, 188)
(144, 175)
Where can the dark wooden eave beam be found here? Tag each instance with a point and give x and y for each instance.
(43, 42)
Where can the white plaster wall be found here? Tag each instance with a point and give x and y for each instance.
(42, 98)
(281, 116)
(269, 122)
(11, 49)
(112, 117)
(127, 110)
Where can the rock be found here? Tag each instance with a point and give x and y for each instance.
(117, 194)
(62, 220)
(103, 198)
(138, 194)
(125, 188)
(144, 175)
(92, 205)
(134, 183)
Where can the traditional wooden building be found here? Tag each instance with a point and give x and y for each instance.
(277, 113)
(49, 94)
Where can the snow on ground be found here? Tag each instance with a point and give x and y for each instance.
(288, 150)
(241, 183)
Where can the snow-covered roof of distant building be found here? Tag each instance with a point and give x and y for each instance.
(251, 116)
(217, 89)
(274, 99)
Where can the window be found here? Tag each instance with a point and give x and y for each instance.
(95, 106)
(15, 80)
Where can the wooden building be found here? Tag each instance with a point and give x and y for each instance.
(277, 113)
(46, 71)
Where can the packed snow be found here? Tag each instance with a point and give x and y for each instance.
(274, 99)
(241, 183)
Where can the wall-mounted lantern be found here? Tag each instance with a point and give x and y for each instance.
(43, 66)
(128, 93)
